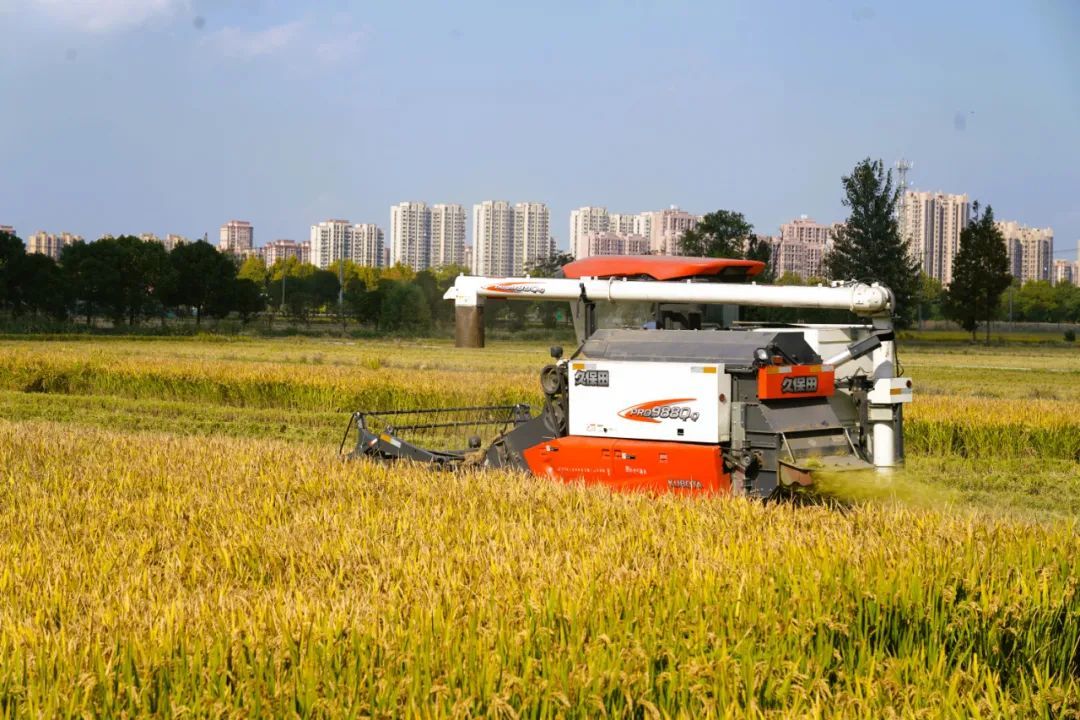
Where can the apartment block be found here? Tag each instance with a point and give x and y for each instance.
(493, 238)
(367, 245)
(1031, 250)
(804, 229)
(447, 235)
(332, 240)
(280, 250)
(587, 219)
(7, 229)
(509, 239)
(237, 237)
(798, 257)
(666, 228)
(610, 243)
(49, 244)
(1066, 272)
(532, 236)
(931, 223)
(172, 240)
(410, 235)
(801, 247)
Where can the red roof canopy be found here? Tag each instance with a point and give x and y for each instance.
(661, 267)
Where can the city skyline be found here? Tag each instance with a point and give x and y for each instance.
(946, 99)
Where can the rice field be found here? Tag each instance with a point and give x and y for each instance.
(177, 537)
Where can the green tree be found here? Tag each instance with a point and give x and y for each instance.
(868, 245)
(41, 287)
(247, 298)
(723, 234)
(203, 279)
(404, 307)
(12, 253)
(1037, 302)
(88, 276)
(931, 296)
(758, 248)
(145, 277)
(980, 274)
(254, 269)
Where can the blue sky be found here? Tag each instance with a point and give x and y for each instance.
(176, 115)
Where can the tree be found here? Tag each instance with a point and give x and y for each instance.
(248, 298)
(760, 249)
(931, 295)
(868, 245)
(254, 269)
(203, 278)
(145, 276)
(41, 288)
(980, 274)
(1037, 302)
(12, 252)
(404, 307)
(723, 234)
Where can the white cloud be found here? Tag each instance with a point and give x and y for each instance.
(338, 48)
(240, 43)
(327, 45)
(105, 15)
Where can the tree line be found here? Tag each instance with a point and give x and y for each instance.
(868, 247)
(129, 281)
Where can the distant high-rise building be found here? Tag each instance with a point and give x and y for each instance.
(447, 237)
(587, 219)
(467, 257)
(803, 229)
(410, 235)
(45, 243)
(800, 248)
(623, 223)
(331, 240)
(173, 240)
(493, 238)
(666, 228)
(367, 245)
(610, 243)
(931, 223)
(1065, 272)
(7, 229)
(237, 237)
(1031, 250)
(532, 239)
(280, 250)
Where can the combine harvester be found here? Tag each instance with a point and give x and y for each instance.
(692, 400)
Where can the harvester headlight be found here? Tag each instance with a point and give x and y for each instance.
(761, 355)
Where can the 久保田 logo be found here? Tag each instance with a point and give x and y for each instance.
(655, 411)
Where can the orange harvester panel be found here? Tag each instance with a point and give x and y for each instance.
(631, 464)
(789, 382)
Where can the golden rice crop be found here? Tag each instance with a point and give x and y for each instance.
(153, 574)
(327, 377)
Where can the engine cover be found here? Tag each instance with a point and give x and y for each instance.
(670, 401)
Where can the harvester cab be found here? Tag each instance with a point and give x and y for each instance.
(690, 400)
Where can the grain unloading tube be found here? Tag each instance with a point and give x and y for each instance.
(748, 409)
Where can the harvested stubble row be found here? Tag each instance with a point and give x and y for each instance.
(152, 574)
